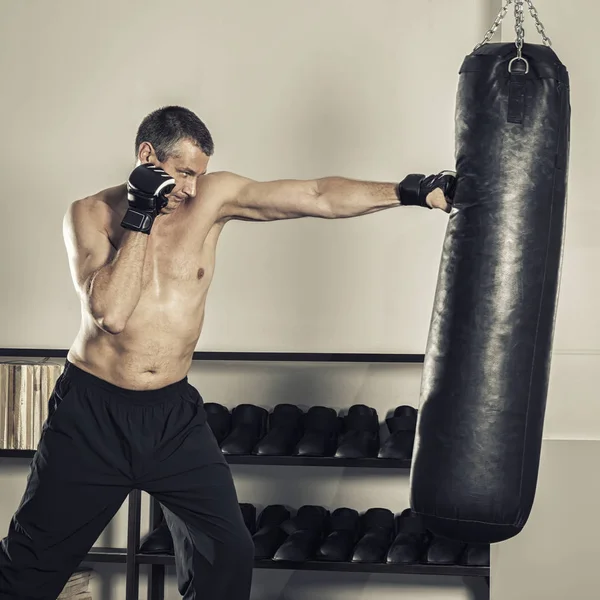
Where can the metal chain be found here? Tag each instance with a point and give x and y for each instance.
(492, 30)
(538, 23)
(519, 30)
(519, 21)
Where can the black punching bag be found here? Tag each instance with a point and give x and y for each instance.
(487, 361)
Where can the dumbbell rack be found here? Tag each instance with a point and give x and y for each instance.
(131, 556)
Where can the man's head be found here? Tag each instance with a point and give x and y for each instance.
(176, 140)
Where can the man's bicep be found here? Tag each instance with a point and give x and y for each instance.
(88, 247)
(273, 200)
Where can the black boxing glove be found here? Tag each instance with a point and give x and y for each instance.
(414, 189)
(147, 189)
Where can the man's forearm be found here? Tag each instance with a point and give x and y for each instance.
(115, 289)
(344, 197)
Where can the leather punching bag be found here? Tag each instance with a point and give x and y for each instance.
(487, 361)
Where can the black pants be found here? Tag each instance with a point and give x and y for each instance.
(100, 442)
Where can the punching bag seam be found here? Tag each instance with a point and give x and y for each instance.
(542, 295)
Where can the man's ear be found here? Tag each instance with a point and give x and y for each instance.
(146, 153)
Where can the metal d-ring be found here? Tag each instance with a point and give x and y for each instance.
(510, 64)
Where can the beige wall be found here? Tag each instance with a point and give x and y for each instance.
(556, 555)
(293, 89)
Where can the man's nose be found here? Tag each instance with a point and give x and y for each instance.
(189, 188)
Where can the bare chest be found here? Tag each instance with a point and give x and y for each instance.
(178, 260)
(180, 253)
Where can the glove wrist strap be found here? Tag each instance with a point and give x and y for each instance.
(137, 220)
(409, 191)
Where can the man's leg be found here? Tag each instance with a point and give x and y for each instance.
(73, 490)
(189, 476)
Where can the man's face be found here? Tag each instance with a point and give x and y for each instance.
(186, 164)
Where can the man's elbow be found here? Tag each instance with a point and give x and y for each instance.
(105, 320)
(111, 326)
(98, 305)
(325, 208)
(324, 199)
(108, 323)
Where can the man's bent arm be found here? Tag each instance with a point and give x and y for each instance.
(115, 289)
(108, 281)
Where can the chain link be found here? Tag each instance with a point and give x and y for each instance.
(519, 22)
(519, 29)
(492, 30)
(538, 23)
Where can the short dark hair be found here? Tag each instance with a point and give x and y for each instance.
(166, 126)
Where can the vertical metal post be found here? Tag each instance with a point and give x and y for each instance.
(133, 543)
(156, 581)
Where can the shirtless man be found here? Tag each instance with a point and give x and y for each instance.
(122, 414)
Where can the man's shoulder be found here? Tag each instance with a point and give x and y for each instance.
(225, 182)
(219, 190)
(100, 207)
(82, 209)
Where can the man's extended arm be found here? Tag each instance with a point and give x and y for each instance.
(329, 197)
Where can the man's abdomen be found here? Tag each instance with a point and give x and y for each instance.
(155, 348)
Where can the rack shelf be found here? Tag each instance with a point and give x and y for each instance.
(318, 461)
(119, 555)
(336, 357)
(348, 567)
(4, 453)
(288, 461)
(106, 555)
